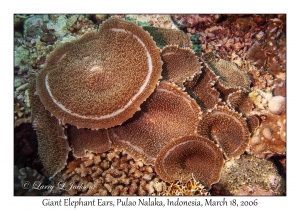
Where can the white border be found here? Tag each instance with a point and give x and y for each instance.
(154, 6)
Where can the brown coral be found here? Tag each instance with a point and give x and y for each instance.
(230, 76)
(118, 67)
(203, 91)
(253, 123)
(228, 129)
(168, 113)
(164, 37)
(180, 64)
(190, 156)
(240, 102)
(53, 147)
(83, 139)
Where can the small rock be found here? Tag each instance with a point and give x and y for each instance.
(277, 105)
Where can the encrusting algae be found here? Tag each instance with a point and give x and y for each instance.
(144, 114)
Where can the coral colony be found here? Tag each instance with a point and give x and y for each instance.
(132, 108)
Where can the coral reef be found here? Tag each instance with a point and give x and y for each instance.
(190, 156)
(253, 123)
(238, 82)
(280, 88)
(240, 102)
(99, 18)
(200, 21)
(111, 173)
(168, 113)
(260, 99)
(249, 176)
(158, 21)
(256, 55)
(26, 148)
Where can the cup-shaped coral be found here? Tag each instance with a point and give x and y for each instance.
(180, 64)
(228, 129)
(230, 77)
(190, 156)
(240, 102)
(100, 80)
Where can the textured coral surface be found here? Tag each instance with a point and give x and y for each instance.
(231, 66)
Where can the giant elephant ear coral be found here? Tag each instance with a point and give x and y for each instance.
(83, 139)
(203, 90)
(190, 156)
(101, 80)
(168, 113)
(180, 64)
(53, 147)
(230, 77)
(164, 37)
(228, 129)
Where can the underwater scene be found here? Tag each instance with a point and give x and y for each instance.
(150, 105)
